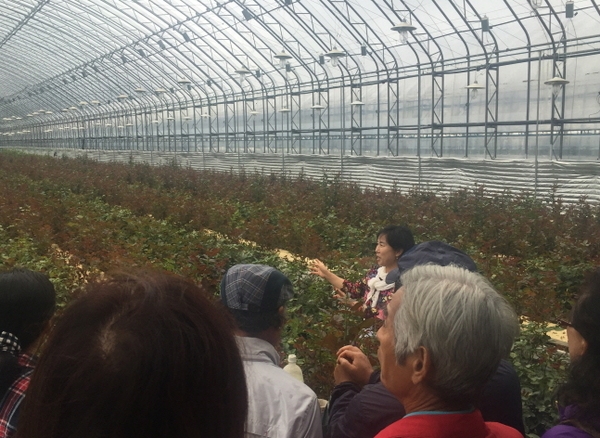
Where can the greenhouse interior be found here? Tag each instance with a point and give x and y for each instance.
(437, 94)
(144, 142)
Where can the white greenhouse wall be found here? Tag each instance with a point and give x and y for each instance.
(571, 180)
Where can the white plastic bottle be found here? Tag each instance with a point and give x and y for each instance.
(293, 369)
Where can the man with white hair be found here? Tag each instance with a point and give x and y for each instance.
(360, 405)
(447, 330)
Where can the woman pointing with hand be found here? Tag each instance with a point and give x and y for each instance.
(392, 242)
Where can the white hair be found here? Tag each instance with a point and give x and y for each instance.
(464, 324)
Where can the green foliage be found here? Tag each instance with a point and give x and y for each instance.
(541, 367)
(76, 219)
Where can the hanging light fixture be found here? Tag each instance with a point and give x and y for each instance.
(82, 103)
(403, 28)
(474, 87)
(183, 81)
(284, 110)
(317, 107)
(557, 83)
(243, 72)
(358, 103)
(253, 112)
(95, 102)
(139, 90)
(122, 97)
(160, 91)
(335, 54)
(283, 57)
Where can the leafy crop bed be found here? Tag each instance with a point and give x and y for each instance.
(78, 219)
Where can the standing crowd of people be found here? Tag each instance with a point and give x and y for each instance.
(150, 354)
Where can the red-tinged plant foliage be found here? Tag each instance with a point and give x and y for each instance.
(79, 218)
(534, 250)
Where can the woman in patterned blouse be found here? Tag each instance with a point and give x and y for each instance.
(392, 242)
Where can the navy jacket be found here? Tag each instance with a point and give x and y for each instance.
(362, 414)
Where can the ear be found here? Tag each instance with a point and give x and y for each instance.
(282, 317)
(421, 365)
(584, 345)
(399, 253)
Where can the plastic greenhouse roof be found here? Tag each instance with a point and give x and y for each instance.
(56, 54)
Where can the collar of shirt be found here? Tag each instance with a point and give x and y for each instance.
(255, 349)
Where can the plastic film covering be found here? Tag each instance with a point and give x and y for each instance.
(349, 81)
(571, 181)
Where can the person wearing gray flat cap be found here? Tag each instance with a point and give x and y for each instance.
(279, 405)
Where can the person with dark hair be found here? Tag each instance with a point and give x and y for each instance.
(145, 355)
(280, 406)
(579, 397)
(27, 302)
(392, 243)
(360, 405)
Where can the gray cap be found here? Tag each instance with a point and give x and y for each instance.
(255, 288)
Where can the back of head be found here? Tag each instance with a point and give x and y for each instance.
(430, 252)
(253, 294)
(586, 312)
(464, 324)
(27, 302)
(146, 355)
(583, 385)
(398, 237)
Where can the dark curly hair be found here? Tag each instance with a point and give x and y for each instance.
(583, 384)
